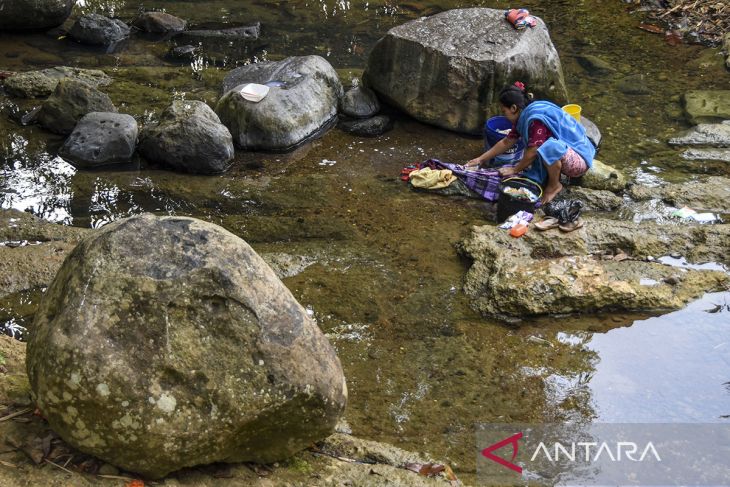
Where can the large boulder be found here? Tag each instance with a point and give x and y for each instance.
(188, 137)
(159, 23)
(71, 100)
(707, 106)
(602, 266)
(33, 14)
(31, 84)
(95, 29)
(167, 342)
(448, 69)
(301, 105)
(101, 138)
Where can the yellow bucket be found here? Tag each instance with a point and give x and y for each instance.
(573, 111)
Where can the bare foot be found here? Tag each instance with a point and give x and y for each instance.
(550, 193)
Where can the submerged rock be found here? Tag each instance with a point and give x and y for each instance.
(722, 155)
(188, 137)
(98, 30)
(70, 101)
(360, 102)
(603, 177)
(300, 105)
(159, 23)
(222, 45)
(34, 14)
(711, 194)
(101, 138)
(448, 69)
(707, 106)
(179, 348)
(595, 66)
(370, 127)
(552, 272)
(41, 83)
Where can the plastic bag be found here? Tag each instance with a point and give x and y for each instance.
(566, 211)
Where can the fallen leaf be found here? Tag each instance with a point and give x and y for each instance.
(673, 38)
(135, 483)
(425, 469)
(651, 28)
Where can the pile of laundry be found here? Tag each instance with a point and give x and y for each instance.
(435, 174)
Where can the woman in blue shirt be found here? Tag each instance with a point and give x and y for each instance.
(556, 142)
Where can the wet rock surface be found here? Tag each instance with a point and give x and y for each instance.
(551, 272)
(188, 137)
(99, 30)
(711, 194)
(159, 23)
(100, 139)
(70, 101)
(437, 68)
(222, 45)
(206, 355)
(705, 134)
(34, 14)
(593, 199)
(369, 127)
(602, 177)
(32, 84)
(302, 105)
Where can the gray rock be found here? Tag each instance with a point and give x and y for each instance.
(101, 138)
(188, 137)
(448, 69)
(542, 273)
(177, 349)
(707, 134)
(222, 44)
(98, 30)
(370, 127)
(159, 23)
(360, 102)
(31, 84)
(34, 14)
(726, 49)
(595, 66)
(711, 194)
(70, 101)
(592, 131)
(301, 108)
(185, 53)
(722, 155)
(707, 106)
(604, 177)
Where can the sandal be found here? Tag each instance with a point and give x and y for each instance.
(570, 226)
(547, 223)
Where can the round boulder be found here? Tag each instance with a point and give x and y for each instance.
(101, 138)
(188, 137)
(71, 100)
(167, 342)
(448, 69)
(98, 30)
(34, 14)
(301, 103)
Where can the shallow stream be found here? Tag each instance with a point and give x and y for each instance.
(379, 270)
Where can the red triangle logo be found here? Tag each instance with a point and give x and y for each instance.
(512, 440)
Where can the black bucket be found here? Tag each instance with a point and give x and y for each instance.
(507, 205)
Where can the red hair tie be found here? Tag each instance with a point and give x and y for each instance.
(520, 85)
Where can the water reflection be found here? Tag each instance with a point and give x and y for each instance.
(36, 182)
(684, 359)
(110, 8)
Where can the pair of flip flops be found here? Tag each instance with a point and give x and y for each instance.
(551, 222)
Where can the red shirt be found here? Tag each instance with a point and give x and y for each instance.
(538, 133)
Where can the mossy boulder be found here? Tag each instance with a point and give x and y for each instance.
(167, 342)
(70, 101)
(603, 177)
(32, 84)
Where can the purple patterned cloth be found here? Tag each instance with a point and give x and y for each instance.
(484, 182)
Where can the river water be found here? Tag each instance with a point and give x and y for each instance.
(380, 273)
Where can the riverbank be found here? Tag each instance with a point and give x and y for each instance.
(697, 21)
